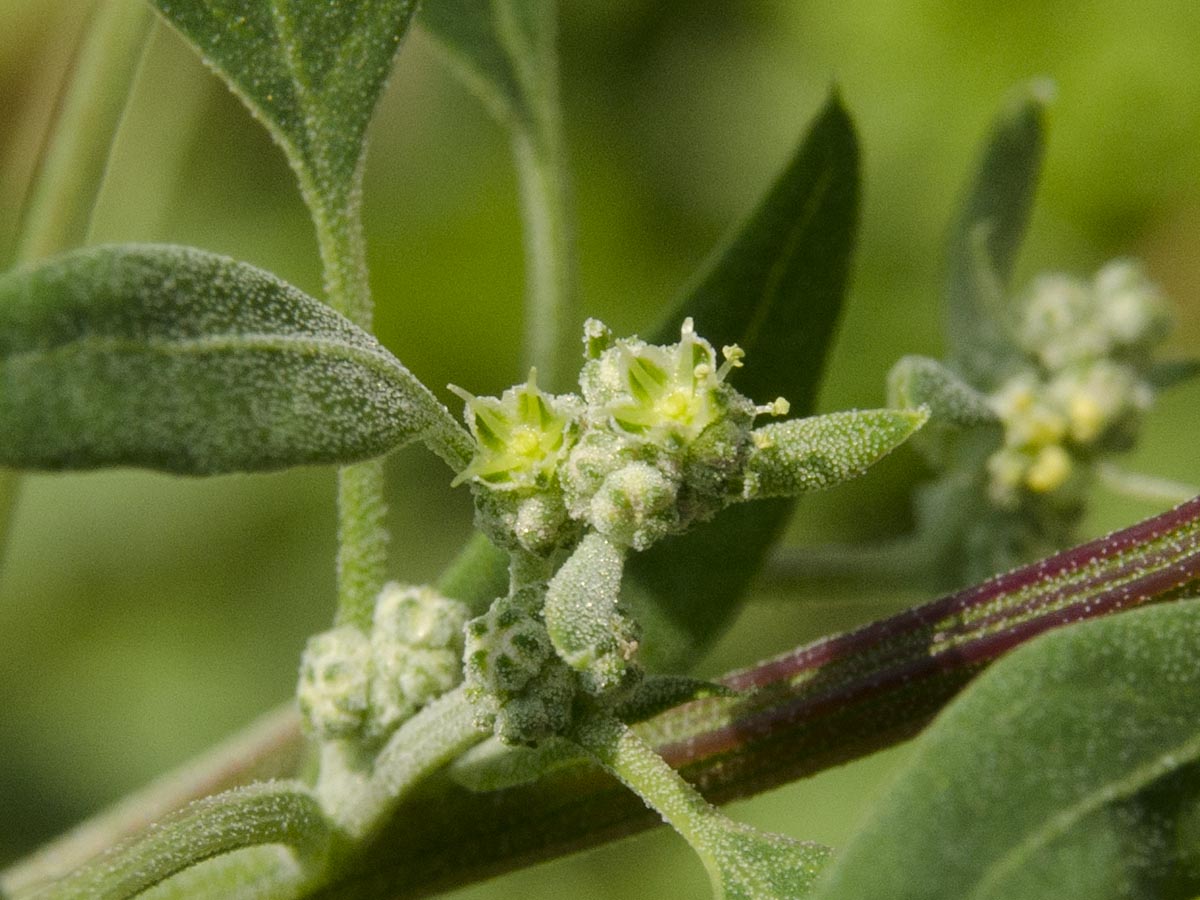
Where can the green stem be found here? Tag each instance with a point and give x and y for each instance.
(550, 339)
(544, 186)
(362, 508)
(615, 746)
(272, 813)
(71, 174)
(477, 576)
(72, 171)
(360, 795)
(362, 541)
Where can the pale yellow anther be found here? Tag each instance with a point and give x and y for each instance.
(762, 441)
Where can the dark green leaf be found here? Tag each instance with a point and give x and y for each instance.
(311, 71)
(987, 234)
(776, 289)
(180, 360)
(497, 48)
(1071, 768)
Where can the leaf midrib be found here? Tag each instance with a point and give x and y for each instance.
(775, 274)
(378, 361)
(1057, 825)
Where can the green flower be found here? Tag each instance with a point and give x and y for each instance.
(521, 437)
(668, 395)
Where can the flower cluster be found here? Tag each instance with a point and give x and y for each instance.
(655, 441)
(1084, 386)
(359, 685)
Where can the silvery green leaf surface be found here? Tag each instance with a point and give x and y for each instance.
(496, 47)
(803, 455)
(175, 359)
(312, 72)
(775, 288)
(917, 380)
(987, 233)
(756, 865)
(1069, 769)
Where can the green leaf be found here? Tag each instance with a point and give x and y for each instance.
(775, 289)
(803, 455)
(274, 812)
(496, 47)
(918, 380)
(583, 617)
(987, 234)
(1071, 768)
(312, 72)
(748, 864)
(176, 359)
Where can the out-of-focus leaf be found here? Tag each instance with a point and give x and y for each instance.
(776, 289)
(1071, 768)
(987, 234)
(802, 455)
(497, 48)
(180, 360)
(312, 72)
(1168, 374)
(919, 380)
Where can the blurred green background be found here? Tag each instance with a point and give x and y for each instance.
(142, 617)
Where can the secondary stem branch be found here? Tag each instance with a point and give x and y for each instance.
(362, 510)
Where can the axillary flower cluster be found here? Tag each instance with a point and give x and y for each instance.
(1083, 388)
(655, 441)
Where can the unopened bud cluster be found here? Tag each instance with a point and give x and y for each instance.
(359, 685)
(655, 441)
(1085, 386)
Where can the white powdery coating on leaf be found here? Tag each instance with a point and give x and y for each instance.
(176, 359)
(804, 455)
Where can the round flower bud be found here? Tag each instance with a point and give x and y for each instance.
(416, 653)
(635, 506)
(334, 687)
(514, 679)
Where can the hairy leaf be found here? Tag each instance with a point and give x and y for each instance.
(919, 380)
(757, 865)
(1071, 768)
(312, 72)
(776, 289)
(496, 47)
(803, 455)
(987, 233)
(180, 360)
